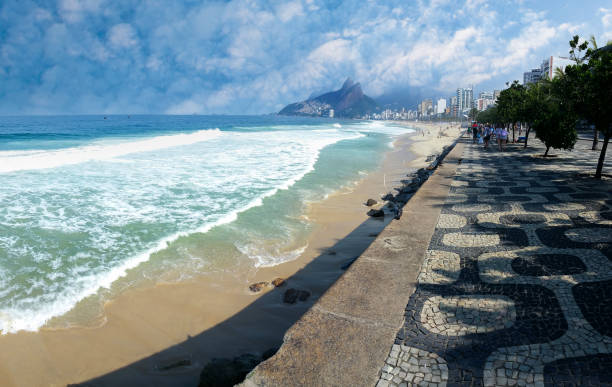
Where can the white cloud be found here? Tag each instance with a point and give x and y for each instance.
(122, 36)
(606, 21)
(288, 11)
(75, 10)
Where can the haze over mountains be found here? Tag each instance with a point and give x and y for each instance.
(347, 102)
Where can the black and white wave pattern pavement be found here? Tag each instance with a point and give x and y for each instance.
(516, 287)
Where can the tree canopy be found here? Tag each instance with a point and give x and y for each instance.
(588, 90)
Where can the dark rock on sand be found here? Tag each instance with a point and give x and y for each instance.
(278, 282)
(388, 197)
(376, 213)
(293, 295)
(370, 202)
(257, 287)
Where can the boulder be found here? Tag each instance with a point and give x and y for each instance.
(376, 213)
(278, 282)
(370, 202)
(388, 197)
(408, 189)
(258, 287)
(292, 295)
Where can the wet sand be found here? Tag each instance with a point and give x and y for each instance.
(147, 331)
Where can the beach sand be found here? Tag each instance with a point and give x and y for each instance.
(166, 333)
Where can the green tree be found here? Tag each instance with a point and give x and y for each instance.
(473, 113)
(590, 81)
(552, 120)
(488, 116)
(510, 105)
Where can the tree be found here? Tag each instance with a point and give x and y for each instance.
(510, 105)
(533, 107)
(488, 116)
(549, 115)
(473, 113)
(590, 80)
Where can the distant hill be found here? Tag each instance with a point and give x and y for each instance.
(348, 102)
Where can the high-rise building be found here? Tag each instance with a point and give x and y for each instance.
(483, 103)
(465, 99)
(496, 94)
(532, 76)
(441, 106)
(453, 106)
(552, 63)
(485, 95)
(426, 107)
(547, 69)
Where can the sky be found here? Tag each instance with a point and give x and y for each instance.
(254, 57)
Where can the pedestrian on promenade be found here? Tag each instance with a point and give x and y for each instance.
(498, 136)
(487, 136)
(503, 138)
(474, 135)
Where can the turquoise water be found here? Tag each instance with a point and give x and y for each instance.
(86, 202)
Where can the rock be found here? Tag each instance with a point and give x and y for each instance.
(408, 189)
(376, 213)
(370, 202)
(293, 295)
(258, 287)
(228, 372)
(388, 197)
(278, 282)
(398, 213)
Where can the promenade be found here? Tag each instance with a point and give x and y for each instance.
(516, 283)
(499, 272)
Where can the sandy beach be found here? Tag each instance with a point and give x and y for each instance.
(169, 331)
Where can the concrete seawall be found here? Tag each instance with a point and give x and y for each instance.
(345, 337)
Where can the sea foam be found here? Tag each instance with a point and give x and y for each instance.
(80, 226)
(12, 161)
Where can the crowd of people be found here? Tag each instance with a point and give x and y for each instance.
(483, 133)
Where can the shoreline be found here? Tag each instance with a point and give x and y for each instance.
(219, 316)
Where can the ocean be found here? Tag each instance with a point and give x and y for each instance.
(91, 205)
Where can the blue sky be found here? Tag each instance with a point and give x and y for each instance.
(246, 56)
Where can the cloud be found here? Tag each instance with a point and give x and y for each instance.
(122, 36)
(288, 11)
(606, 21)
(245, 56)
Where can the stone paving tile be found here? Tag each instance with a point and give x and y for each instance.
(515, 288)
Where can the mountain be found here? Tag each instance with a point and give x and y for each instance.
(348, 102)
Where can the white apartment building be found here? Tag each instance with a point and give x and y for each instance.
(441, 106)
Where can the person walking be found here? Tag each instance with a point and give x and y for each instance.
(487, 136)
(503, 138)
(498, 137)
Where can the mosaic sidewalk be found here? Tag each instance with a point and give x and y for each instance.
(516, 286)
